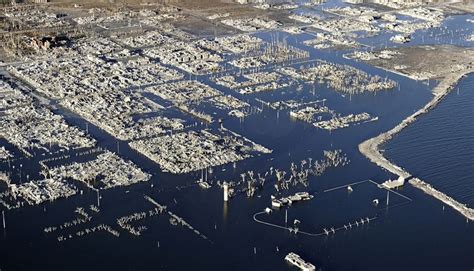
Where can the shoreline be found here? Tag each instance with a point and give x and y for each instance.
(370, 148)
(430, 190)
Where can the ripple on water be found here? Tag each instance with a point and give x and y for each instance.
(439, 146)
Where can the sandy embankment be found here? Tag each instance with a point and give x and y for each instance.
(370, 147)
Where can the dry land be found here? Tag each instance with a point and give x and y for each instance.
(421, 62)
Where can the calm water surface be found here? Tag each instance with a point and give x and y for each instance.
(416, 235)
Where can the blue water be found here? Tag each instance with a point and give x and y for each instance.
(416, 235)
(439, 147)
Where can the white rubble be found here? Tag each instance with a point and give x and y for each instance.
(190, 151)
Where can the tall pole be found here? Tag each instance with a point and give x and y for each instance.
(3, 217)
(226, 192)
(388, 196)
(98, 198)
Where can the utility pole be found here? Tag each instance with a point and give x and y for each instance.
(98, 198)
(388, 197)
(3, 217)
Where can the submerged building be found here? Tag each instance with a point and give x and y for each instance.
(390, 184)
